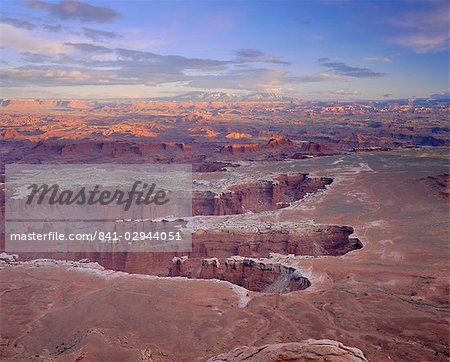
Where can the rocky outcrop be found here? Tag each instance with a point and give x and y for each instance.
(440, 183)
(222, 242)
(240, 148)
(10, 133)
(71, 311)
(212, 166)
(260, 241)
(272, 143)
(257, 196)
(276, 142)
(8, 258)
(108, 149)
(309, 350)
(313, 149)
(237, 135)
(279, 147)
(269, 275)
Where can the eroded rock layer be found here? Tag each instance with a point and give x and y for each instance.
(268, 275)
(223, 242)
(260, 195)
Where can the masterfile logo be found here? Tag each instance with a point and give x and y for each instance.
(103, 208)
(140, 193)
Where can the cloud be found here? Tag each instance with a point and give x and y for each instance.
(423, 43)
(98, 35)
(387, 95)
(315, 38)
(425, 31)
(249, 53)
(262, 79)
(90, 64)
(316, 78)
(75, 10)
(255, 56)
(21, 40)
(27, 75)
(340, 93)
(324, 59)
(85, 59)
(90, 48)
(17, 23)
(345, 92)
(377, 59)
(52, 28)
(302, 21)
(349, 71)
(441, 96)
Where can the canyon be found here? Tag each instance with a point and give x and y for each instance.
(257, 195)
(71, 311)
(315, 226)
(230, 244)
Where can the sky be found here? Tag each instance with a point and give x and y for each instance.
(314, 50)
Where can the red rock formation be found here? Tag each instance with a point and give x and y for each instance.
(276, 142)
(260, 275)
(108, 149)
(212, 166)
(257, 196)
(241, 148)
(273, 143)
(313, 149)
(237, 135)
(315, 241)
(441, 184)
(222, 243)
(10, 133)
(72, 311)
(309, 350)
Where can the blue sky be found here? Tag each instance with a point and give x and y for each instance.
(308, 49)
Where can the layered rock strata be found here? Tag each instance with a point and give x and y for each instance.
(258, 195)
(269, 275)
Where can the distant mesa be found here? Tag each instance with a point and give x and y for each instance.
(279, 142)
(236, 135)
(215, 166)
(279, 148)
(114, 150)
(272, 143)
(240, 148)
(314, 148)
(9, 133)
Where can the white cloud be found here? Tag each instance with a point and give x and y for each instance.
(377, 59)
(425, 31)
(423, 43)
(22, 40)
(346, 92)
(323, 77)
